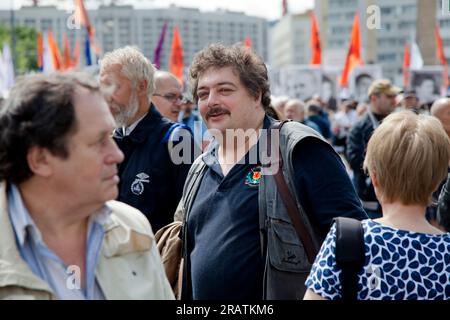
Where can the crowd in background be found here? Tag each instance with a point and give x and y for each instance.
(234, 226)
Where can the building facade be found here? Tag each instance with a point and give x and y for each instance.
(290, 40)
(400, 21)
(120, 25)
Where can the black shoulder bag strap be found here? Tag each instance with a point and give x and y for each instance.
(350, 256)
(290, 203)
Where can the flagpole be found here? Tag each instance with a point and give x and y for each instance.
(13, 37)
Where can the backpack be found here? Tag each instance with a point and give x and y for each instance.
(350, 256)
(173, 134)
(169, 246)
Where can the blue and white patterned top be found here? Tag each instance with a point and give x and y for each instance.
(399, 265)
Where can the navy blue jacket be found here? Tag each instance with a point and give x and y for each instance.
(149, 180)
(357, 141)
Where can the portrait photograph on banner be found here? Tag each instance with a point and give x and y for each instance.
(427, 83)
(361, 79)
(301, 82)
(276, 85)
(329, 86)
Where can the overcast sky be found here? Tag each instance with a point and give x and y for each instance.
(270, 9)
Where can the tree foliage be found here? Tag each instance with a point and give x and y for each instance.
(25, 55)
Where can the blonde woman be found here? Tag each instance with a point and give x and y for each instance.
(405, 256)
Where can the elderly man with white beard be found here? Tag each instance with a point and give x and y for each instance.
(152, 174)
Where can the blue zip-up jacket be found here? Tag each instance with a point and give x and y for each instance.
(149, 180)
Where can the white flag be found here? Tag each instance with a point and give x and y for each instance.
(2, 75)
(6, 69)
(47, 61)
(416, 57)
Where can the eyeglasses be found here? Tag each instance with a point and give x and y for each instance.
(171, 97)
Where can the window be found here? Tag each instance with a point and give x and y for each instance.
(387, 57)
(46, 24)
(30, 22)
(387, 42)
(409, 9)
(407, 25)
(386, 26)
(387, 10)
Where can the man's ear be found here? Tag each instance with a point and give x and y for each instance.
(258, 98)
(142, 87)
(373, 177)
(39, 161)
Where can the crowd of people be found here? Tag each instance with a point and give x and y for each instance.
(91, 168)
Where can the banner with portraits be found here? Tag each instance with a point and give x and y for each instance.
(304, 81)
(301, 82)
(329, 88)
(360, 80)
(427, 82)
(276, 86)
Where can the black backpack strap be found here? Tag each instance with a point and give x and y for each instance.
(350, 256)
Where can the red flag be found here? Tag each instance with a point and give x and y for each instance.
(248, 42)
(316, 57)
(54, 51)
(406, 64)
(441, 56)
(40, 51)
(176, 56)
(354, 53)
(67, 62)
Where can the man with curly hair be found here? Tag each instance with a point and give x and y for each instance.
(238, 238)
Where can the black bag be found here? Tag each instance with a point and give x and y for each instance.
(350, 256)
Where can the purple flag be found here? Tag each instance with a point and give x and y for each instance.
(157, 55)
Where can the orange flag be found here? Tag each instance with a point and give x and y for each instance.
(176, 55)
(440, 47)
(354, 53)
(76, 54)
(441, 56)
(406, 64)
(316, 57)
(248, 42)
(54, 51)
(40, 51)
(67, 62)
(82, 18)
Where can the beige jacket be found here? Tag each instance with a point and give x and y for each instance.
(129, 266)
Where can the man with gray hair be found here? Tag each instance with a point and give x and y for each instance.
(153, 173)
(294, 109)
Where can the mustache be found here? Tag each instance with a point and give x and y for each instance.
(216, 110)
